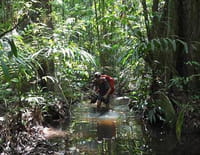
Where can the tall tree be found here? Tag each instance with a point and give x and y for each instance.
(172, 52)
(178, 20)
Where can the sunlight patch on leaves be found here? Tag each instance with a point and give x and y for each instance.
(35, 99)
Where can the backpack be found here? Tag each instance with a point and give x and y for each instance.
(111, 82)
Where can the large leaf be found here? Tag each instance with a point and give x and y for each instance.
(167, 107)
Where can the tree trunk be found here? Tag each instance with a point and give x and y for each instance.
(181, 20)
(49, 65)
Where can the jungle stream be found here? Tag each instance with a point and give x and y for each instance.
(118, 131)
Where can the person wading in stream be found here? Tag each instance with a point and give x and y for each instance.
(104, 87)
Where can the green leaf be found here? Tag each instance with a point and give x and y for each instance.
(179, 124)
(184, 44)
(166, 43)
(126, 57)
(173, 43)
(5, 70)
(13, 47)
(157, 43)
(151, 116)
(152, 46)
(1, 53)
(15, 80)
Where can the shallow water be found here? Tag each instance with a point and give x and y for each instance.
(119, 132)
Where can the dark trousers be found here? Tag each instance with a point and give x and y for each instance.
(100, 97)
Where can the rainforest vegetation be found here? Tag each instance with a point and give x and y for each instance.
(50, 49)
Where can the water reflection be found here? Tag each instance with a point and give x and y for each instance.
(104, 132)
(105, 122)
(119, 132)
(106, 128)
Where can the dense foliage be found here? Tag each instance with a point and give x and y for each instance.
(57, 45)
(49, 50)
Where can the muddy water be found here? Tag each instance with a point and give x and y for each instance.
(119, 132)
(111, 132)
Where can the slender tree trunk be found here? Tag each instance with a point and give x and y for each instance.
(50, 70)
(97, 23)
(146, 17)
